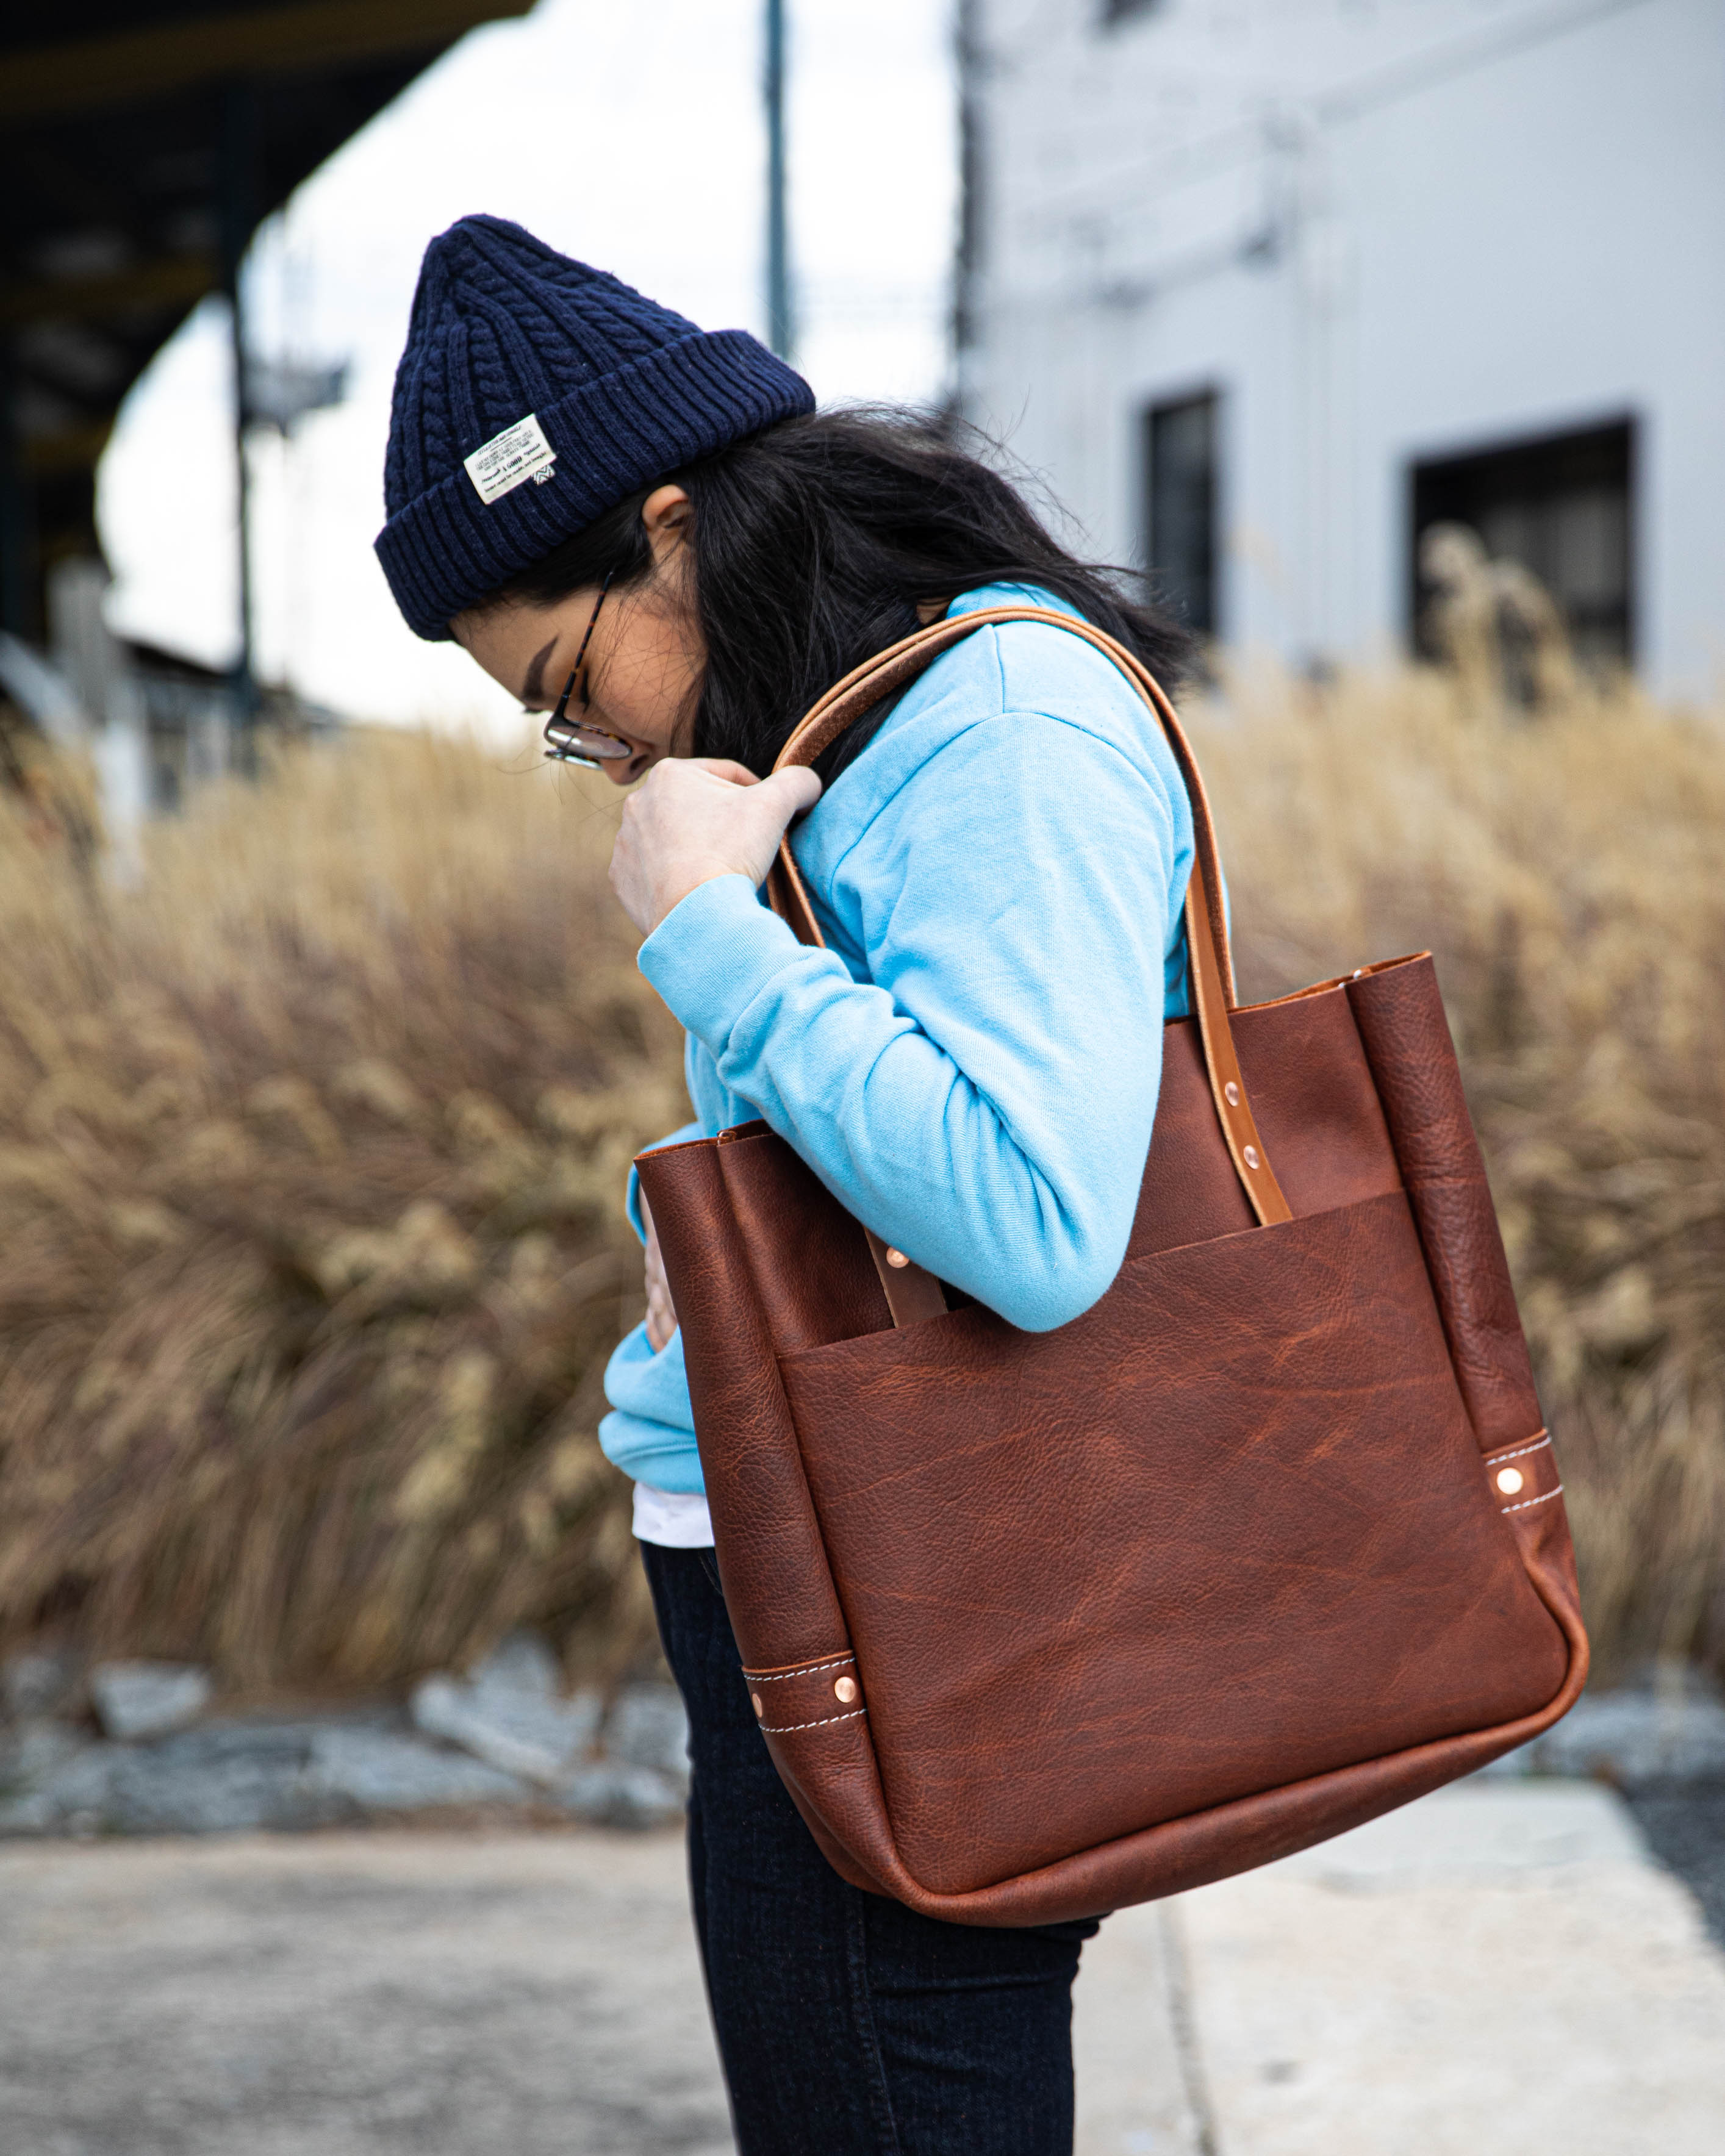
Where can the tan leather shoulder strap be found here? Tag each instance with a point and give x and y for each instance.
(1211, 961)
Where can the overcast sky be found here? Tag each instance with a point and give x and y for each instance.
(629, 137)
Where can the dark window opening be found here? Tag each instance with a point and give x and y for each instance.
(1120, 11)
(1181, 486)
(1562, 507)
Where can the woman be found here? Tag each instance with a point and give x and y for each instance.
(648, 529)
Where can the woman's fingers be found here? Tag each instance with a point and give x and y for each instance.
(693, 819)
(661, 1321)
(661, 1310)
(721, 766)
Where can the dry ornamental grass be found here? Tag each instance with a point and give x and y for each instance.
(1564, 870)
(311, 1149)
(310, 1253)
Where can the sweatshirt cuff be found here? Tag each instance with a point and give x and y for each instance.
(713, 953)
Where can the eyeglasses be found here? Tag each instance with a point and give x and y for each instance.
(573, 741)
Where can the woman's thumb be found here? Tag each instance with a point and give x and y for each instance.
(790, 791)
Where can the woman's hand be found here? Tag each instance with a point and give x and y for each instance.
(661, 1310)
(695, 818)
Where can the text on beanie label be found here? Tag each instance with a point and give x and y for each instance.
(520, 452)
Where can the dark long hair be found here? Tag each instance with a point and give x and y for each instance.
(813, 542)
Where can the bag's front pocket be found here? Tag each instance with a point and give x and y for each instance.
(1229, 1529)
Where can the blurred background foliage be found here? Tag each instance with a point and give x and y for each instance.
(1563, 866)
(312, 1146)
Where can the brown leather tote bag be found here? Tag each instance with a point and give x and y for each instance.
(1266, 1542)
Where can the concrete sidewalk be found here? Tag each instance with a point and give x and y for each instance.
(393, 1992)
(1498, 1969)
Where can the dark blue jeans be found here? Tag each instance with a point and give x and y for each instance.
(848, 2026)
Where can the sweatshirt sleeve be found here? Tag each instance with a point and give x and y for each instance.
(985, 1101)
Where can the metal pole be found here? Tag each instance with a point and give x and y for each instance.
(781, 330)
(968, 256)
(238, 215)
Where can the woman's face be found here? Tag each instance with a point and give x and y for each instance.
(643, 667)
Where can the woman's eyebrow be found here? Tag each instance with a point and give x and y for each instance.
(533, 688)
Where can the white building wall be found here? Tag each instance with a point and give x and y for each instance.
(1384, 232)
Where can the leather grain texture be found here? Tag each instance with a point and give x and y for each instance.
(1401, 1017)
(1269, 1540)
(1042, 1579)
(772, 1561)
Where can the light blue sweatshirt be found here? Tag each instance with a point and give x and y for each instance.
(972, 1065)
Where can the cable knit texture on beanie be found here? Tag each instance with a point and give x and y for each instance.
(623, 390)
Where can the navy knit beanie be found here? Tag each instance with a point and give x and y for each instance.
(535, 393)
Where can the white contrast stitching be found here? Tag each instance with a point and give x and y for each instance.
(786, 1728)
(1498, 1458)
(1526, 1501)
(784, 1677)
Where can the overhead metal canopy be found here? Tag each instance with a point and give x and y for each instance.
(142, 143)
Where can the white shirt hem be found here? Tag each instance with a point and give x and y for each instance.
(674, 1519)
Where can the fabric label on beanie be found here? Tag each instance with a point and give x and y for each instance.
(520, 452)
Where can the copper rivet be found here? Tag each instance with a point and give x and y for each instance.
(897, 1258)
(1251, 1156)
(755, 1703)
(846, 1690)
(1509, 1480)
(1231, 1094)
